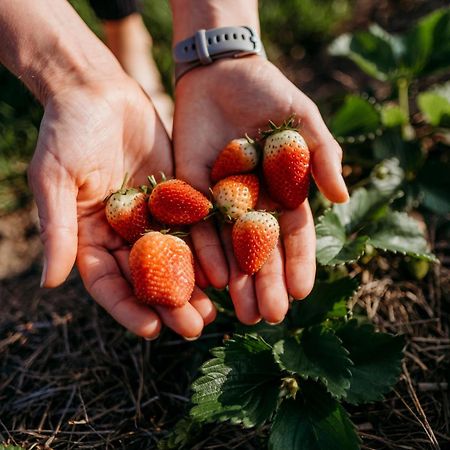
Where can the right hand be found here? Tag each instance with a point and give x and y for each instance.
(90, 136)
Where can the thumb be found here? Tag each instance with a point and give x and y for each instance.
(326, 154)
(55, 194)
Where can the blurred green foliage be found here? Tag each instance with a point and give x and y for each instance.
(304, 24)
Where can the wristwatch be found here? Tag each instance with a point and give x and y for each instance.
(207, 46)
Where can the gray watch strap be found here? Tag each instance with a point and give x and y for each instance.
(206, 46)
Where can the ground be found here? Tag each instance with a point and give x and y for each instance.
(70, 377)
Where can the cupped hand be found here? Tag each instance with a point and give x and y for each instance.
(90, 136)
(225, 100)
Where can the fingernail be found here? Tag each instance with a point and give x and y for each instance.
(274, 323)
(149, 339)
(191, 338)
(44, 272)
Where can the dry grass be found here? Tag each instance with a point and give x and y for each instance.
(70, 377)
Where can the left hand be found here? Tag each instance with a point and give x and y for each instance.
(225, 100)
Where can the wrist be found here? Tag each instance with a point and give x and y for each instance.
(67, 68)
(49, 47)
(192, 15)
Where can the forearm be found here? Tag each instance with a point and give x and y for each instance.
(47, 45)
(192, 15)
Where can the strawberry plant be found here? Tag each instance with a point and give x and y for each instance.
(296, 381)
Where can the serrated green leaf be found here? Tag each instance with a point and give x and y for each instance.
(373, 53)
(434, 184)
(392, 145)
(393, 116)
(318, 355)
(435, 108)
(356, 116)
(428, 44)
(422, 50)
(332, 245)
(377, 361)
(398, 232)
(270, 333)
(364, 205)
(180, 436)
(240, 384)
(327, 300)
(314, 421)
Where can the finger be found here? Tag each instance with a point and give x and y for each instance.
(209, 251)
(201, 279)
(326, 153)
(207, 312)
(204, 306)
(121, 255)
(299, 239)
(271, 288)
(55, 196)
(241, 286)
(185, 320)
(105, 282)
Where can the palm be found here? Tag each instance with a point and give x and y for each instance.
(88, 142)
(225, 101)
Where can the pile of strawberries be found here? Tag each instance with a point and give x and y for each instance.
(162, 264)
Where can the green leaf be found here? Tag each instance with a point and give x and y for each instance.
(373, 51)
(423, 50)
(393, 116)
(434, 184)
(240, 384)
(364, 205)
(336, 242)
(400, 233)
(318, 355)
(428, 43)
(377, 361)
(392, 145)
(314, 421)
(270, 333)
(435, 106)
(356, 116)
(327, 300)
(181, 436)
(332, 245)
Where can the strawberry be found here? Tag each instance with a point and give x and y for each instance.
(162, 270)
(127, 213)
(236, 195)
(254, 236)
(286, 165)
(174, 202)
(238, 156)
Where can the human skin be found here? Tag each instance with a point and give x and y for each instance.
(225, 100)
(97, 125)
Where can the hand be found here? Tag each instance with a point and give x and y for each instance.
(225, 100)
(89, 138)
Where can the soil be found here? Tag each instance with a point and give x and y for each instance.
(70, 377)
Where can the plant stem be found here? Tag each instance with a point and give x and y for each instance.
(403, 101)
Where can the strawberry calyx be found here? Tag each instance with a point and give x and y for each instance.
(124, 190)
(291, 123)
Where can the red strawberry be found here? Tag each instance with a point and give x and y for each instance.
(236, 195)
(162, 270)
(238, 156)
(254, 235)
(127, 213)
(286, 165)
(174, 202)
